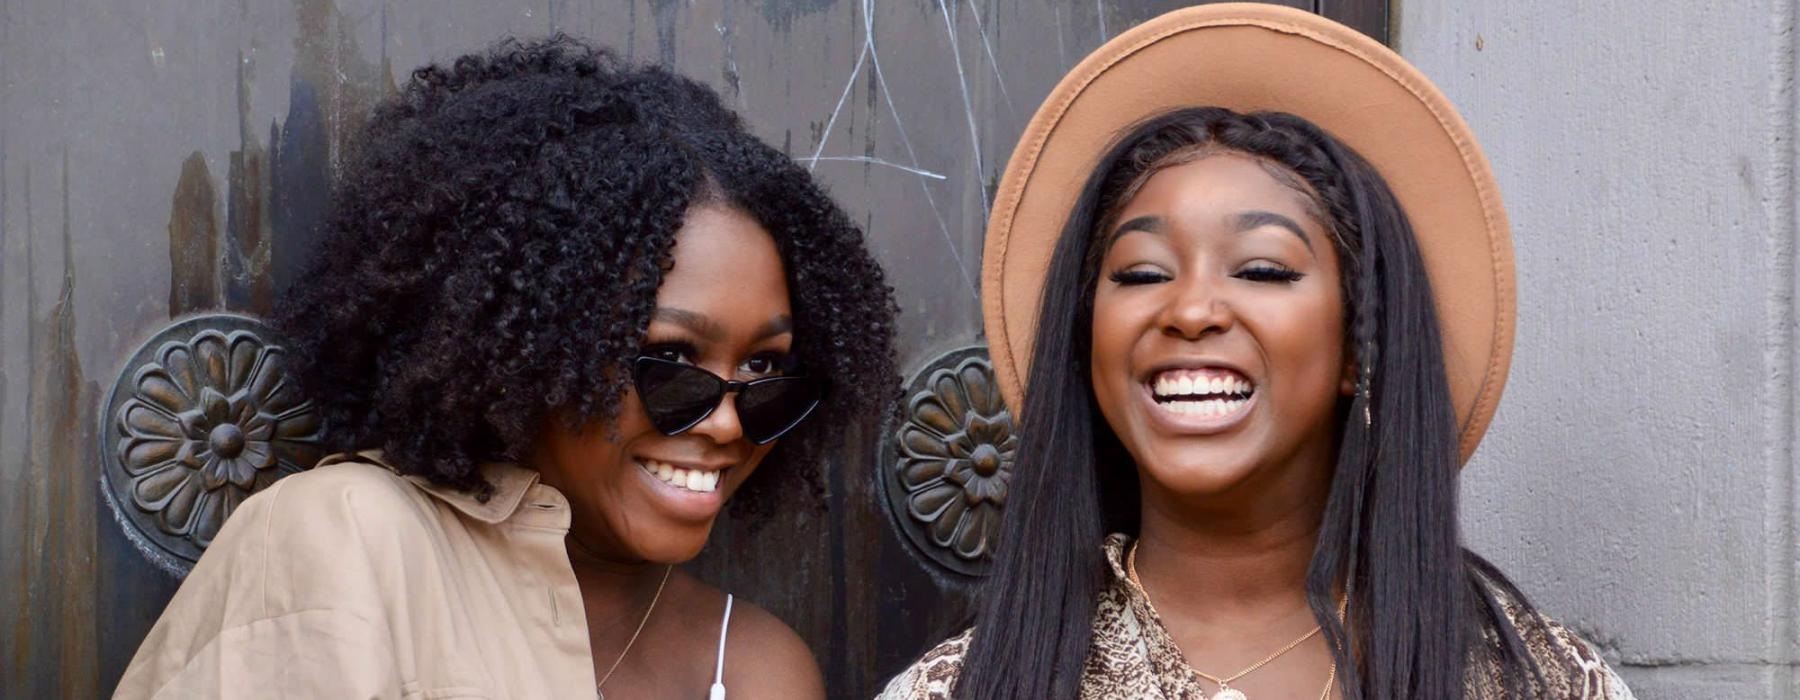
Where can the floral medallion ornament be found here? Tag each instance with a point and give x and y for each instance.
(202, 416)
(948, 465)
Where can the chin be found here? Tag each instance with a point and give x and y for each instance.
(677, 544)
(1197, 477)
(1199, 481)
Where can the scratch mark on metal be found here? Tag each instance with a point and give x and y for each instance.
(962, 81)
(1100, 12)
(890, 164)
(386, 70)
(887, 96)
(992, 61)
(1062, 50)
(862, 57)
(31, 357)
(732, 77)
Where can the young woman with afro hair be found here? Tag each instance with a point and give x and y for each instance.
(565, 308)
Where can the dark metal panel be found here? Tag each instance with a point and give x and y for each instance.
(1367, 16)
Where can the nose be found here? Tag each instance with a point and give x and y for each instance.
(722, 425)
(1196, 308)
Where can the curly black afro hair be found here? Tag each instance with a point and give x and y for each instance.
(496, 245)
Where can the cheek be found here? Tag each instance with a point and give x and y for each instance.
(1117, 325)
(1109, 350)
(632, 421)
(584, 460)
(1304, 342)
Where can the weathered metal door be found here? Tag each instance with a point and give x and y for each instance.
(161, 168)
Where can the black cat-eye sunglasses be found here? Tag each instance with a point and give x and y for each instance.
(679, 396)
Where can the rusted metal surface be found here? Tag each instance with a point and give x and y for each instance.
(159, 160)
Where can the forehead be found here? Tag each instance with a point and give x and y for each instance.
(1222, 184)
(726, 266)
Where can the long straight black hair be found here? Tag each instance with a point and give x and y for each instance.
(1418, 603)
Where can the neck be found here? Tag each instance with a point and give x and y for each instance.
(610, 581)
(1240, 555)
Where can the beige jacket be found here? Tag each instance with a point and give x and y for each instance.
(350, 581)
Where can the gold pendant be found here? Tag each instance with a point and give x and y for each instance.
(1229, 694)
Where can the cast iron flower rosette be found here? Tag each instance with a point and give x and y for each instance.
(948, 465)
(203, 415)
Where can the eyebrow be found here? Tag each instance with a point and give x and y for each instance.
(703, 326)
(1147, 224)
(1252, 220)
(1247, 221)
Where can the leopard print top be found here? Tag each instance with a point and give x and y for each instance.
(1132, 656)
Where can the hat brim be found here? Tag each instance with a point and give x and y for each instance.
(1250, 57)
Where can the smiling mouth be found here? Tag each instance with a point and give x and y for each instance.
(1203, 393)
(695, 480)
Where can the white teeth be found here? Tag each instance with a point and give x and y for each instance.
(696, 480)
(1210, 408)
(1176, 383)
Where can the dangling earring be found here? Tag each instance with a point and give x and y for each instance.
(1362, 390)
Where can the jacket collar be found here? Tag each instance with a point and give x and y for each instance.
(510, 481)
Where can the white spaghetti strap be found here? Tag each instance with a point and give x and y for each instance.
(718, 686)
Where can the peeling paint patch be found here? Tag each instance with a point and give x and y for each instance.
(247, 280)
(57, 609)
(666, 13)
(193, 240)
(331, 91)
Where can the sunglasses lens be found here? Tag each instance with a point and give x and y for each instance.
(676, 395)
(771, 407)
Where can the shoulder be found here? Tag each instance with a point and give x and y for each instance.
(323, 529)
(1572, 667)
(350, 486)
(934, 675)
(338, 499)
(300, 553)
(1571, 664)
(765, 658)
(324, 503)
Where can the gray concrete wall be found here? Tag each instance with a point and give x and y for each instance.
(1639, 479)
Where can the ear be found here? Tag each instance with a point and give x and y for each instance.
(1348, 375)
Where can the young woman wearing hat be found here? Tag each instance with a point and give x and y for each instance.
(566, 309)
(1250, 276)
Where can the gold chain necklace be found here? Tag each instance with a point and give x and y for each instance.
(600, 694)
(1226, 692)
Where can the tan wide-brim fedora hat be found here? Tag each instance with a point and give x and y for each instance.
(1250, 57)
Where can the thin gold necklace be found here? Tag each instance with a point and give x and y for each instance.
(600, 694)
(1226, 692)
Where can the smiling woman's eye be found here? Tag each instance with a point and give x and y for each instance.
(1138, 275)
(672, 352)
(1269, 272)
